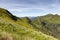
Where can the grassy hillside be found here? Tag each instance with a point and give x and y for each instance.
(48, 24)
(15, 28)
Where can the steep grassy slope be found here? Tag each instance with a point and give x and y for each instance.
(14, 28)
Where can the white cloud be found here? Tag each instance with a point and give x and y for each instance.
(19, 6)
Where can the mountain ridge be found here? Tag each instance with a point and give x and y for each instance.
(16, 28)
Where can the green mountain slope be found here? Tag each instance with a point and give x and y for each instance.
(15, 28)
(48, 24)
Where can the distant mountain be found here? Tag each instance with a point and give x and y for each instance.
(35, 28)
(48, 24)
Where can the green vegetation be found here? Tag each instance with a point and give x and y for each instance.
(48, 24)
(39, 28)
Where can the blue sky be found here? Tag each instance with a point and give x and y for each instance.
(22, 8)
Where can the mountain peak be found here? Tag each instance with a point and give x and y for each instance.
(6, 13)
